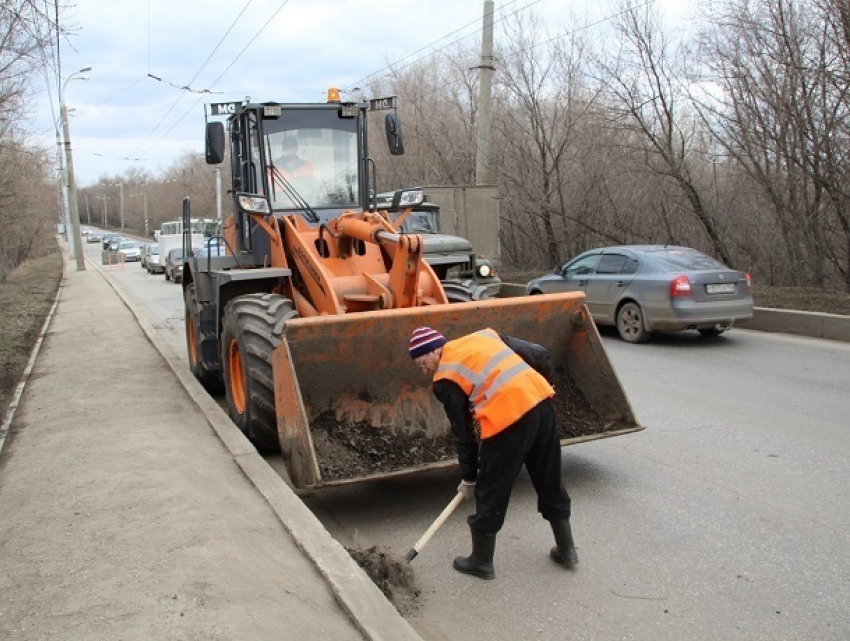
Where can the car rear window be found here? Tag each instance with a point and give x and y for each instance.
(685, 259)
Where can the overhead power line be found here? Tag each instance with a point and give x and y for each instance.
(391, 67)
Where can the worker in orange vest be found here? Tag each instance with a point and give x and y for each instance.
(291, 163)
(498, 401)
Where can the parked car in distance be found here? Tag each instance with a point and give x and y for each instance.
(641, 289)
(131, 250)
(152, 262)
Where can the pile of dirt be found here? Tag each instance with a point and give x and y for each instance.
(393, 576)
(26, 296)
(574, 415)
(351, 450)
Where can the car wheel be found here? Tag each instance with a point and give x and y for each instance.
(630, 324)
(711, 332)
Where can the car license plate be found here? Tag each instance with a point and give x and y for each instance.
(720, 288)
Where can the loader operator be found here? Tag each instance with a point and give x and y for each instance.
(291, 163)
(501, 414)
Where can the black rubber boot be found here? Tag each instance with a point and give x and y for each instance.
(564, 551)
(480, 562)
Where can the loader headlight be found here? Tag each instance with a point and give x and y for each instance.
(252, 204)
(484, 271)
(407, 198)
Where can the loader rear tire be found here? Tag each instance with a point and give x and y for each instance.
(251, 330)
(202, 342)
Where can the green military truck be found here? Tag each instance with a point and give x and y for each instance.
(464, 274)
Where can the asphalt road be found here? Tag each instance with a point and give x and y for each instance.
(725, 519)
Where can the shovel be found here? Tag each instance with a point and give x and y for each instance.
(446, 513)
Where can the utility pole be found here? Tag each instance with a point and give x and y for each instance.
(485, 89)
(145, 208)
(104, 212)
(121, 191)
(77, 245)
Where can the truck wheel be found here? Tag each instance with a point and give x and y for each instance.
(202, 343)
(630, 324)
(464, 292)
(251, 330)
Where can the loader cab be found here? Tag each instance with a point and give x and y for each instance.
(308, 160)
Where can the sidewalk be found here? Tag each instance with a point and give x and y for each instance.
(132, 510)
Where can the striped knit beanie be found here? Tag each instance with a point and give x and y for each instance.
(424, 340)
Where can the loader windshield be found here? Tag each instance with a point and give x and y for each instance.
(315, 164)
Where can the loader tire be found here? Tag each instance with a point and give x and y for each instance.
(251, 330)
(202, 342)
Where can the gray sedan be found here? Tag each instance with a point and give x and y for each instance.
(641, 289)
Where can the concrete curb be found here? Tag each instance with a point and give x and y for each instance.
(812, 324)
(766, 319)
(22, 384)
(356, 593)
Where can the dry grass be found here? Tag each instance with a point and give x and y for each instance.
(26, 296)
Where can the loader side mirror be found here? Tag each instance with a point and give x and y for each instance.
(215, 143)
(394, 139)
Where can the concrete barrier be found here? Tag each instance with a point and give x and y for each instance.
(765, 319)
(787, 321)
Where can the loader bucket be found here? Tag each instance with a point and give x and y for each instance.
(352, 406)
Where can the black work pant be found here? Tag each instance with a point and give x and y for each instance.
(533, 441)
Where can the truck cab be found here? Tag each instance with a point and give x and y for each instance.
(452, 258)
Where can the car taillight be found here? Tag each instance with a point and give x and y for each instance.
(749, 284)
(680, 287)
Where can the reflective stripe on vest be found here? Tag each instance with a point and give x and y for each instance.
(500, 385)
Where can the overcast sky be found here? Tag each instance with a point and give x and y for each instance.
(283, 50)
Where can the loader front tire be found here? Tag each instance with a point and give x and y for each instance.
(251, 330)
(202, 343)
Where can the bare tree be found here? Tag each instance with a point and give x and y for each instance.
(781, 113)
(648, 100)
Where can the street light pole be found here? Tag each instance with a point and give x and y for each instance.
(121, 201)
(72, 185)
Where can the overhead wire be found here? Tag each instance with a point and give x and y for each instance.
(391, 67)
(244, 49)
(184, 90)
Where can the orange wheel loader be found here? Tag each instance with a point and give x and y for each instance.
(303, 319)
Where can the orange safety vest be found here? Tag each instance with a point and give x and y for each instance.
(501, 386)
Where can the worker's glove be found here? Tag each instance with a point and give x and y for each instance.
(467, 488)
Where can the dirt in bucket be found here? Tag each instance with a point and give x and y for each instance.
(350, 450)
(392, 575)
(353, 450)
